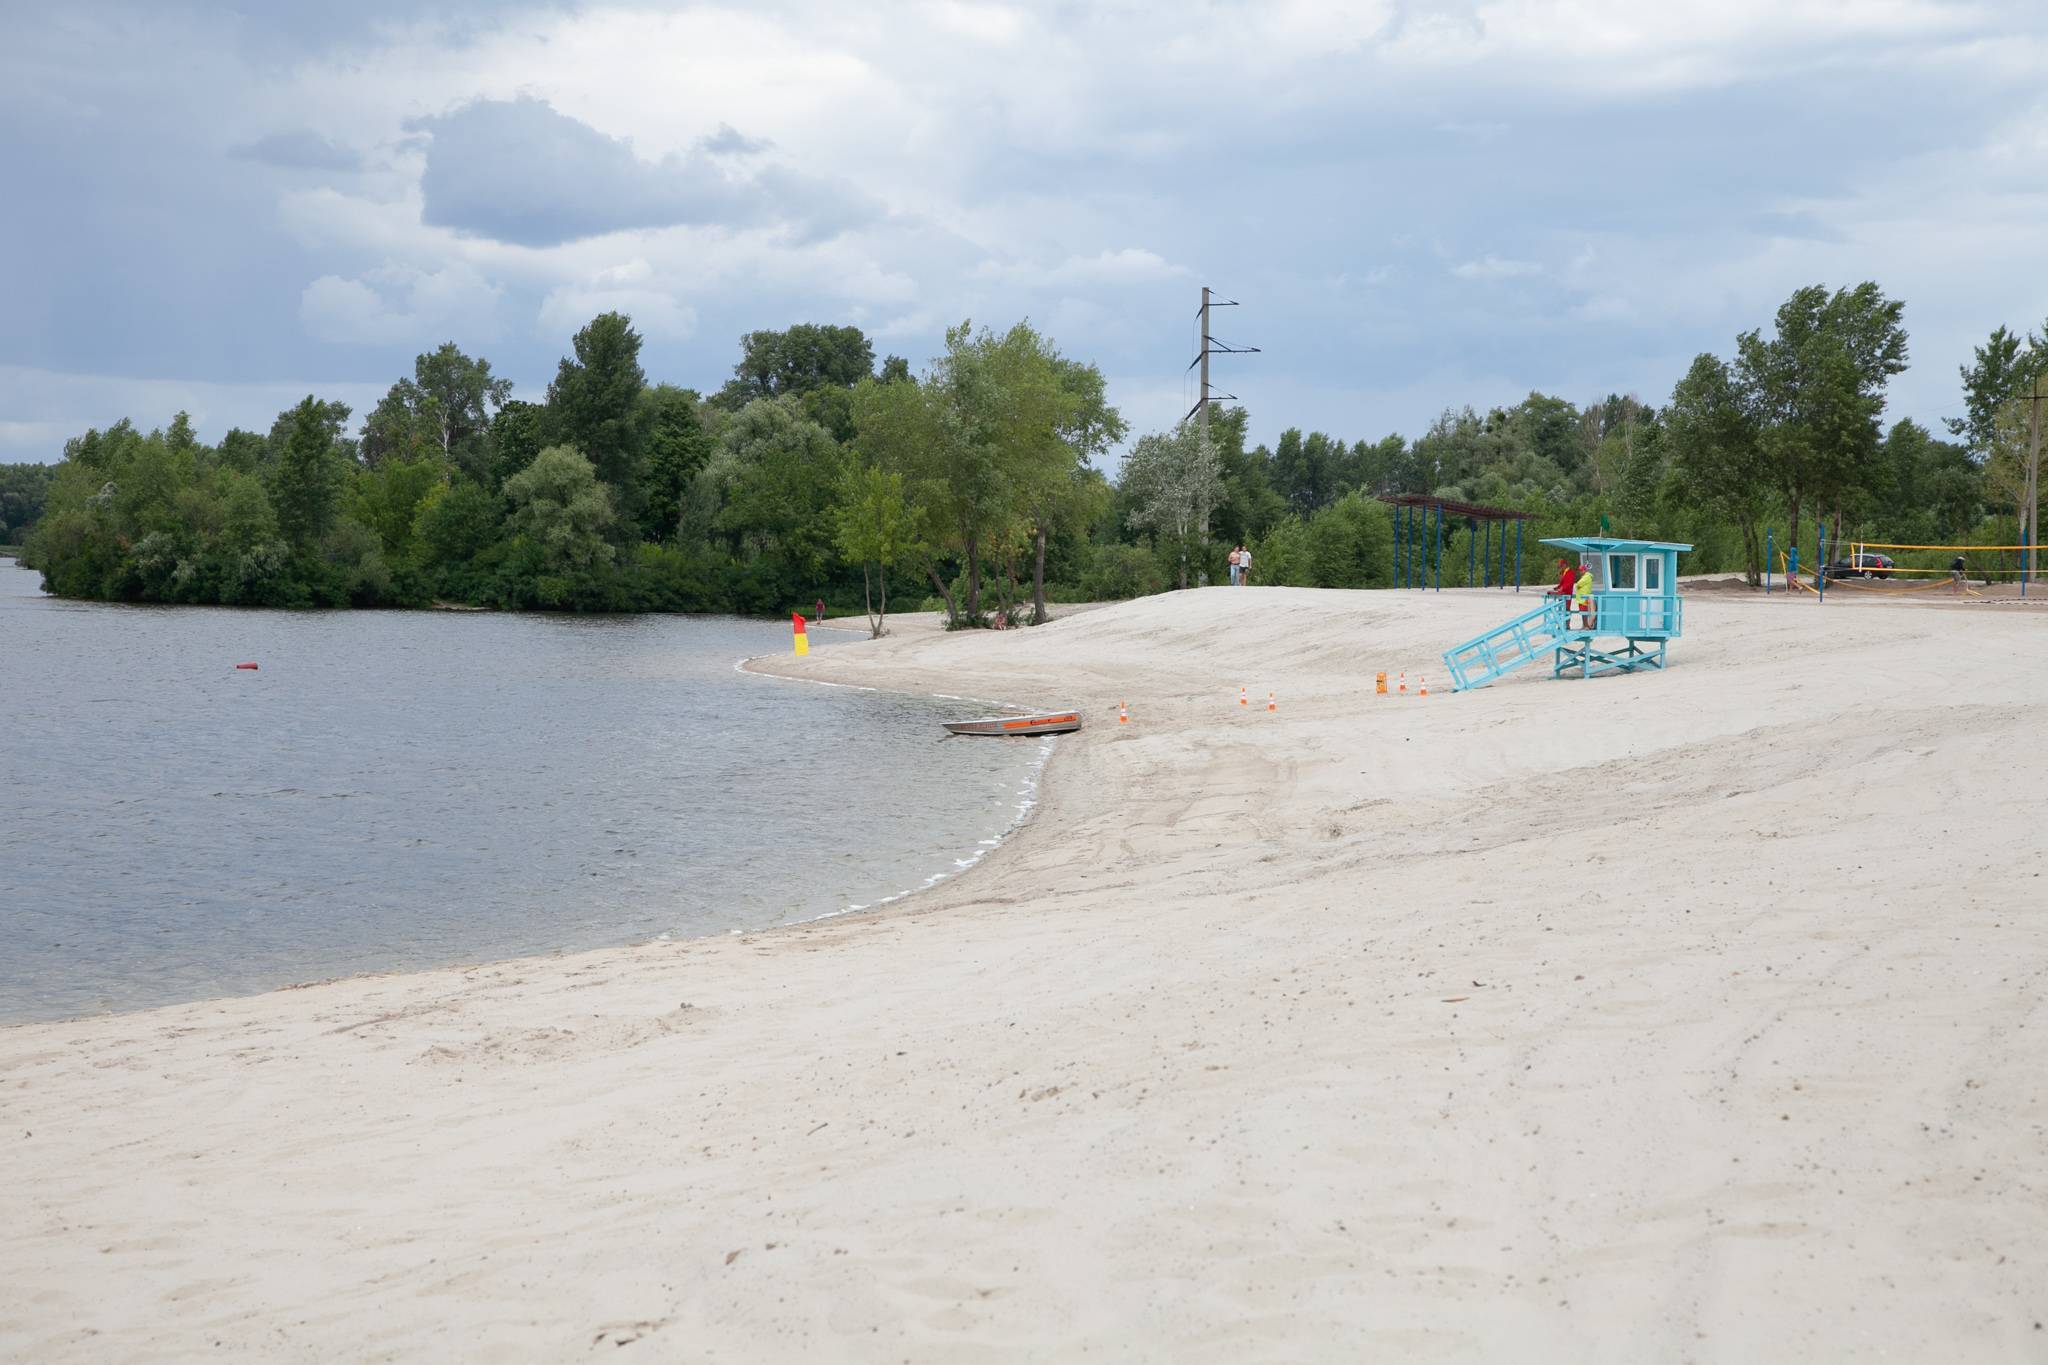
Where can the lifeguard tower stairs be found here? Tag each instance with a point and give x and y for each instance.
(1634, 613)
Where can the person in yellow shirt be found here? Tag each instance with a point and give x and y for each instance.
(1582, 598)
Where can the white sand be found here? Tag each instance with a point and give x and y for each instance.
(1681, 1017)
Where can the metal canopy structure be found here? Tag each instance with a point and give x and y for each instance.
(1486, 565)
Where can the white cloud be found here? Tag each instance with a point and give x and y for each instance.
(633, 288)
(402, 304)
(1492, 267)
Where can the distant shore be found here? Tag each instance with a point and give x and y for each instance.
(1667, 1016)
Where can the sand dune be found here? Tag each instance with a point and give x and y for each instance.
(1694, 1016)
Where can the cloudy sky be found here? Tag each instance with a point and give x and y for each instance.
(1420, 203)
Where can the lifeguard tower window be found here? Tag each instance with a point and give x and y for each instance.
(1622, 573)
(1653, 573)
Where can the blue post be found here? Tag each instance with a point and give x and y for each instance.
(1439, 547)
(1820, 561)
(2026, 550)
(1471, 546)
(1502, 577)
(1518, 554)
(1769, 557)
(1400, 578)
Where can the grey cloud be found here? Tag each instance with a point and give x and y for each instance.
(300, 149)
(519, 171)
(730, 141)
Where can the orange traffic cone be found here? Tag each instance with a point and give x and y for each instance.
(1379, 684)
(1123, 714)
(1271, 705)
(1242, 700)
(1425, 686)
(1404, 682)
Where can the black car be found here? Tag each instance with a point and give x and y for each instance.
(1861, 566)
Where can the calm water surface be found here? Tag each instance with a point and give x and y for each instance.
(405, 789)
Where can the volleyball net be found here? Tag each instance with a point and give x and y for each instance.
(1882, 581)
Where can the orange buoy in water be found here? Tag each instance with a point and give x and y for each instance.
(251, 667)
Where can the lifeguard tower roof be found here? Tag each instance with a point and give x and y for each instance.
(1603, 544)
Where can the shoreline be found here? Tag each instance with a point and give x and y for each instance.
(1550, 1017)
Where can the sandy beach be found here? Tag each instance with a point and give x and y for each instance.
(1694, 1016)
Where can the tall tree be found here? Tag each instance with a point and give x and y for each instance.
(1058, 488)
(777, 476)
(517, 434)
(559, 506)
(676, 447)
(805, 357)
(2005, 396)
(1717, 446)
(592, 403)
(1174, 480)
(1816, 387)
(877, 526)
(306, 476)
(973, 439)
(444, 407)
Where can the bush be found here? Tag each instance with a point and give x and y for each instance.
(1117, 572)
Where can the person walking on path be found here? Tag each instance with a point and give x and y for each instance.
(1955, 575)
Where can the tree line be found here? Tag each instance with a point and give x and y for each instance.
(977, 486)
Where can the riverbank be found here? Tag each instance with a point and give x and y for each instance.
(1684, 1016)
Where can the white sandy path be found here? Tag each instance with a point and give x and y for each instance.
(1683, 1017)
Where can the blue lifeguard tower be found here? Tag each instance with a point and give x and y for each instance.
(1635, 610)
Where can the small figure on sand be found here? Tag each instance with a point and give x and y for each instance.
(1233, 568)
(1955, 575)
(1244, 566)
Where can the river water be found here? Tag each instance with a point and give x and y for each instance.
(407, 789)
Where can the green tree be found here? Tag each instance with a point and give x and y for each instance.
(24, 492)
(517, 434)
(1816, 388)
(461, 394)
(387, 499)
(333, 416)
(1351, 544)
(403, 426)
(774, 481)
(593, 404)
(805, 357)
(306, 477)
(877, 526)
(455, 530)
(676, 447)
(244, 451)
(563, 511)
(1174, 480)
(973, 439)
(1057, 489)
(2005, 392)
(1718, 452)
